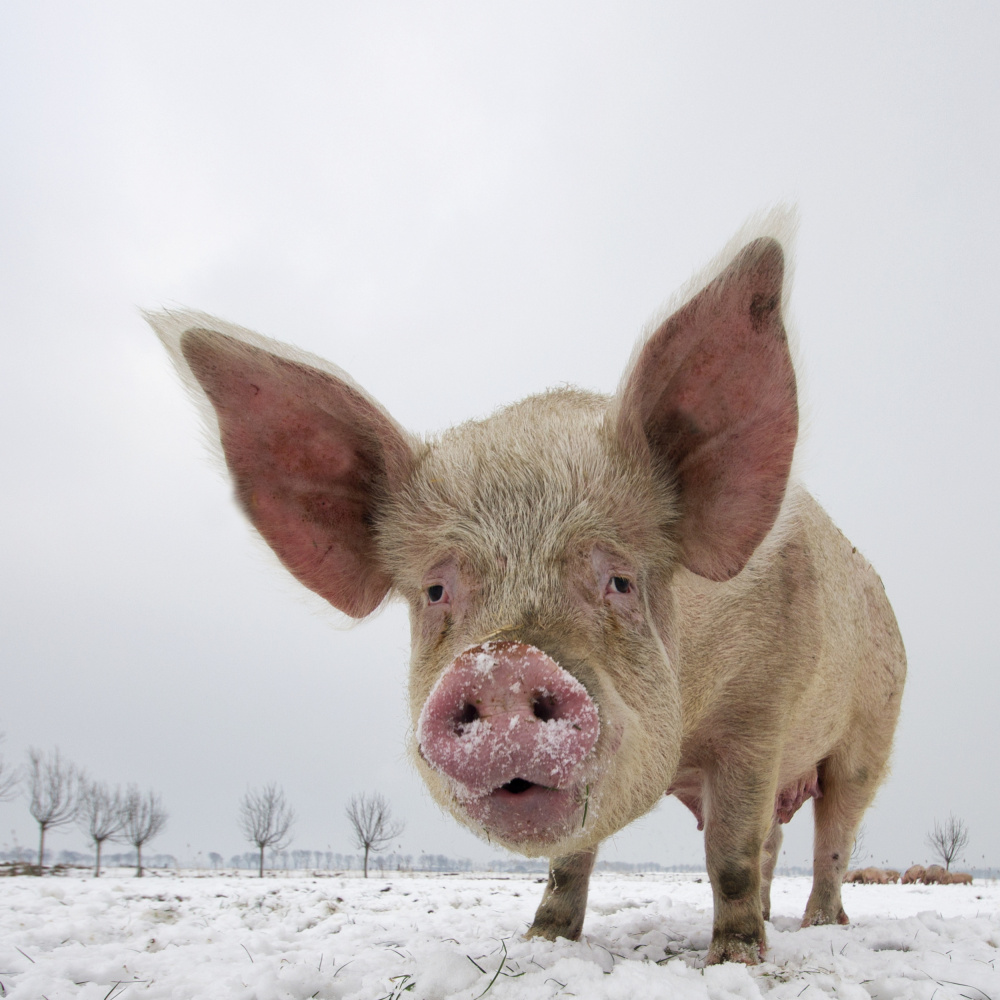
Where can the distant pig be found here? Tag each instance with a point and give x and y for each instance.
(611, 598)
(874, 876)
(934, 875)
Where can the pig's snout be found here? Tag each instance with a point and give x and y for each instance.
(505, 718)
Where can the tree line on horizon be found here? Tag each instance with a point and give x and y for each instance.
(59, 794)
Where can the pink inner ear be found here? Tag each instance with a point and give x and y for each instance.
(713, 391)
(310, 457)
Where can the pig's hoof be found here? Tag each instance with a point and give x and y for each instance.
(819, 917)
(732, 949)
(550, 930)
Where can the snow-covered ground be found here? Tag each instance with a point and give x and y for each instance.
(417, 936)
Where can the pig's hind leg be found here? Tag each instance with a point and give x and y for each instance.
(849, 776)
(847, 785)
(562, 909)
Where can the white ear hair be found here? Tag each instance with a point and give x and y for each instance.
(780, 223)
(171, 324)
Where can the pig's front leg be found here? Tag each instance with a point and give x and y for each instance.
(738, 820)
(562, 909)
(769, 858)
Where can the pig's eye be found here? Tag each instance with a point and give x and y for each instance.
(620, 585)
(435, 594)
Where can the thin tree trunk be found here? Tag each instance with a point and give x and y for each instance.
(138, 860)
(41, 848)
(97, 865)
(366, 861)
(260, 873)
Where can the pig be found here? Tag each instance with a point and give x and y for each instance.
(913, 874)
(958, 878)
(874, 876)
(611, 597)
(934, 875)
(891, 875)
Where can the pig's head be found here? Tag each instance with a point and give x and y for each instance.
(536, 549)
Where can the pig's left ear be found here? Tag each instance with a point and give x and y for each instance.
(711, 396)
(311, 455)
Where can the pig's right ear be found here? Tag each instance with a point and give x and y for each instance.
(311, 455)
(711, 399)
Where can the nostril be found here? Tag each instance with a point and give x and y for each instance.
(465, 717)
(543, 706)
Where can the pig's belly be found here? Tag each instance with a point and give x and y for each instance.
(689, 781)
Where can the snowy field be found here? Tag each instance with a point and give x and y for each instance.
(437, 936)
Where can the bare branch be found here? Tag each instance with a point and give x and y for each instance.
(265, 819)
(53, 790)
(10, 778)
(372, 823)
(859, 850)
(144, 817)
(101, 816)
(948, 839)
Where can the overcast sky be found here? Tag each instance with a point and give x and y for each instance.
(461, 204)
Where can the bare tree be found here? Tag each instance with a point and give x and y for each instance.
(10, 777)
(946, 840)
(144, 818)
(265, 819)
(53, 788)
(859, 850)
(101, 816)
(372, 823)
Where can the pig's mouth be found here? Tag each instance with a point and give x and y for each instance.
(517, 786)
(524, 812)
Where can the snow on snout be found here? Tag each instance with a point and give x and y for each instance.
(505, 710)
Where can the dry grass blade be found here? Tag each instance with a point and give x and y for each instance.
(496, 975)
(968, 986)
